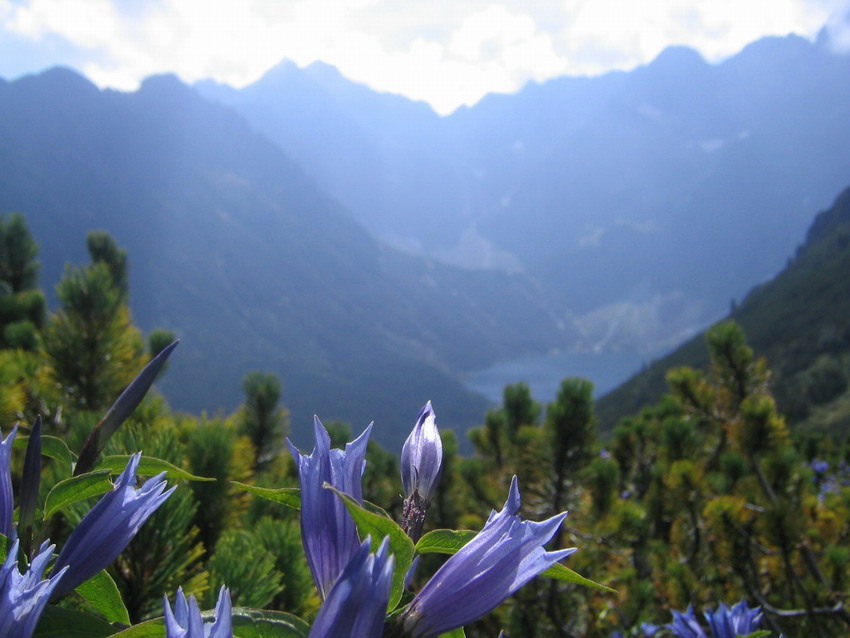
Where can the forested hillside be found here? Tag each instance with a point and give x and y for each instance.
(799, 321)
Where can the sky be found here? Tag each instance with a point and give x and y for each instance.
(445, 52)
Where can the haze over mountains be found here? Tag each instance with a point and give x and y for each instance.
(799, 321)
(369, 252)
(647, 199)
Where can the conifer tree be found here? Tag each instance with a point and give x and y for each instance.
(22, 306)
(261, 420)
(91, 344)
(104, 250)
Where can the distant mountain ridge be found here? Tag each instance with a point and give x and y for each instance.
(235, 248)
(617, 213)
(631, 195)
(799, 321)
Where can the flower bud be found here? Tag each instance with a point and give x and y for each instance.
(421, 465)
(422, 457)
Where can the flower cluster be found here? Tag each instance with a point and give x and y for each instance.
(103, 533)
(24, 596)
(726, 622)
(501, 558)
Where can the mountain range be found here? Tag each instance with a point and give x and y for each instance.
(646, 200)
(370, 252)
(238, 251)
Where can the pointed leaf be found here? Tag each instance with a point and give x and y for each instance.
(560, 572)
(378, 526)
(51, 447)
(289, 496)
(148, 466)
(262, 623)
(121, 409)
(57, 622)
(454, 633)
(101, 592)
(75, 489)
(444, 541)
(247, 623)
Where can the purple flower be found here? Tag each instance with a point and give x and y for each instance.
(109, 526)
(328, 532)
(685, 624)
(357, 603)
(422, 456)
(24, 596)
(819, 466)
(740, 620)
(7, 506)
(499, 560)
(186, 621)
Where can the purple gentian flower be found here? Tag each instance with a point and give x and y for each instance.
(328, 532)
(7, 505)
(356, 606)
(500, 559)
(23, 597)
(422, 456)
(740, 620)
(109, 526)
(186, 621)
(685, 624)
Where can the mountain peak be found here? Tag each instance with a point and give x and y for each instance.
(678, 59)
(60, 78)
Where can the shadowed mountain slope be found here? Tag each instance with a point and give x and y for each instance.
(235, 248)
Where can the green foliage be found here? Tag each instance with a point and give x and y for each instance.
(18, 268)
(92, 347)
(22, 307)
(246, 567)
(167, 552)
(799, 321)
(282, 539)
(212, 451)
(104, 250)
(261, 420)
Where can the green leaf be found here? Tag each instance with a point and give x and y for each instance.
(444, 541)
(148, 629)
(247, 623)
(4, 547)
(262, 623)
(57, 622)
(378, 526)
(75, 489)
(449, 541)
(148, 466)
(289, 496)
(51, 447)
(560, 572)
(101, 592)
(454, 633)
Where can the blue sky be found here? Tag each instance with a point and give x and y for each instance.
(446, 52)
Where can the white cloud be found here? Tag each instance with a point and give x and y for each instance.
(447, 52)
